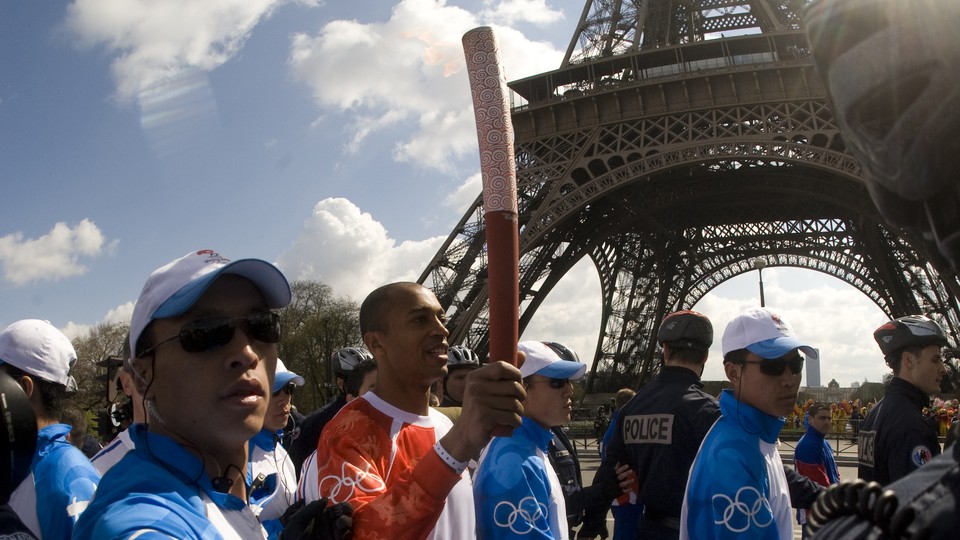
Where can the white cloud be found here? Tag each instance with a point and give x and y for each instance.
(409, 69)
(75, 330)
(461, 199)
(571, 312)
(510, 12)
(119, 314)
(53, 256)
(154, 41)
(350, 251)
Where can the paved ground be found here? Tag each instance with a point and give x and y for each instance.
(844, 451)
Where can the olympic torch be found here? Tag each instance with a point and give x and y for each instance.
(497, 168)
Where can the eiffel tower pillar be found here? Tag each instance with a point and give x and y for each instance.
(678, 140)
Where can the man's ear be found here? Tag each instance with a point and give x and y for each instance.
(142, 374)
(733, 371)
(907, 360)
(26, 382)
(373, 342)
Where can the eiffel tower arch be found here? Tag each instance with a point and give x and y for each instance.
(678, 141)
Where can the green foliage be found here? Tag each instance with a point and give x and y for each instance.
(869, 392)
(315, 324)
(101, 341)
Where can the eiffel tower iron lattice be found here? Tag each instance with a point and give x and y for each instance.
(679, 140)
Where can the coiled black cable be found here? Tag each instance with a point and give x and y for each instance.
(870, 502)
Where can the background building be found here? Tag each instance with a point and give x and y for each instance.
(813, 372)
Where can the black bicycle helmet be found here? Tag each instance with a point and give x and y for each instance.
(892, 71)
(912, 330)
(564, 352)
(460, 357)
(343, 360)
(686, 330)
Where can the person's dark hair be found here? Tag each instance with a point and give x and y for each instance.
(687, 355)
(73, 417)
(357, 374)
(738, 356)
(53, 396)
(816, 408)
(623, 396)
(374, 306)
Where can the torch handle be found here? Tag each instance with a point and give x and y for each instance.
(488, 87)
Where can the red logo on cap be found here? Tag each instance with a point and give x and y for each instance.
(778, 321)
(213, 256)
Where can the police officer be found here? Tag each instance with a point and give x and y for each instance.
(660, 429)
(895, 439)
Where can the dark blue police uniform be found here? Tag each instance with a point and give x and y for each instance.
(658, 434)
(578, 498)
(895, 440)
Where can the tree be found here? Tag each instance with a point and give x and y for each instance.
(315, 324)
(101, 341)
(869, 392)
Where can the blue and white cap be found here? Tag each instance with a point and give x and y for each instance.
(543, 360)
(172, 289)
(284, 376)
(764, 333)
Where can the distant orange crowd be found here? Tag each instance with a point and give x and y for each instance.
(943, 411)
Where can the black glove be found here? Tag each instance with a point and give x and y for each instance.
(589, 532)
(609, 484)
(316, 521)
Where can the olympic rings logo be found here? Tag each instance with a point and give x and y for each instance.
(522, 518)
(347, 484)
(739, 506)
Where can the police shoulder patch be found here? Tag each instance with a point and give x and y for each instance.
(920, 455)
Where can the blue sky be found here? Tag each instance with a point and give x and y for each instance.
(334, 138)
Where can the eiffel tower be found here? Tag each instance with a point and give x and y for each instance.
(678, 141)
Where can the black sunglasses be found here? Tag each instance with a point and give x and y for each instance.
(203, 335)
(776, 367)
(556, 384)
(288, 388)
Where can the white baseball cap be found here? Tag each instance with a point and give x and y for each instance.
(285, 376)
(172, 289)
(764, 333)
(38, 348)
(542, 360)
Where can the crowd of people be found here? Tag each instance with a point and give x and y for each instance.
(206, 454)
